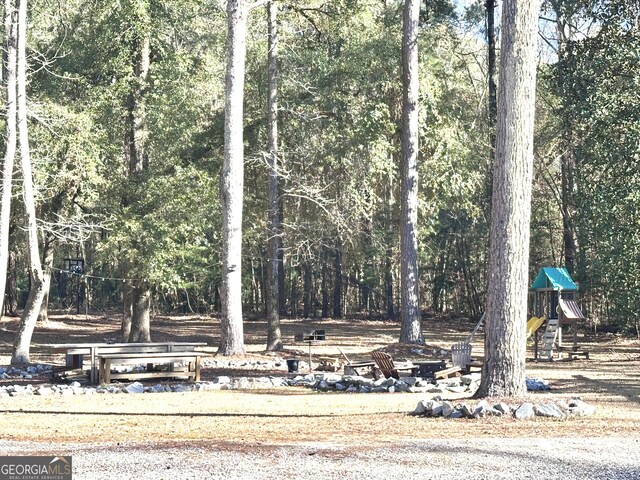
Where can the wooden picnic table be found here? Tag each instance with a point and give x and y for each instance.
(76, 351)
(191, 358)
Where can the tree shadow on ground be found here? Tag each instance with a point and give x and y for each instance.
(624, 386)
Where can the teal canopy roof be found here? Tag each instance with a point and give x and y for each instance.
(556, 278)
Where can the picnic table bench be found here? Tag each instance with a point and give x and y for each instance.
(192, 359)
(75, 351)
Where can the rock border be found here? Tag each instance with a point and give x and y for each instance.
(551, 409)
(465, 385)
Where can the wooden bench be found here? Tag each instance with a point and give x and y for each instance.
(107, 360)
(75, 352)
(448, 372)
(573, 352)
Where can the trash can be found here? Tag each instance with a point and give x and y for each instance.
(292, 365)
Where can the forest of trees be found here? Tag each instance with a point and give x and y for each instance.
(133, 156)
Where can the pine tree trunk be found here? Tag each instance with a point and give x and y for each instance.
(39, 282)
(307, 298)
(568, 205)
(568, 159)
(232, 183)
(274, 335)
(388, 283)
(11, 302)
(410, 318)
(10, 141)
(439, 278)
(22, 340)
(493, 95)
(140, 315)
(282, 284)
(138, 132)
(325, 284)
(293, 299)
(127, 311)
(47, 261)
(136, 140)
(491, 73)
(503, 372)
(337, 288)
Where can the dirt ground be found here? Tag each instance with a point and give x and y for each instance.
(610, 380)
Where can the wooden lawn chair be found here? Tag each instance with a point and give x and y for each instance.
(461, 351)
(389, 368)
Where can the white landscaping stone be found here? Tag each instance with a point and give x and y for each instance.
(135, 387)
(183, 388)
(365, 382)
(465, 410)
(457, 389)
(481, 409)
(548, 410)
(332, 378)
(578, 407)
(524, 411)
(503, 407)
(43, 391)
(423, 407)
(384, 382)
(411, 381)
(470, 378)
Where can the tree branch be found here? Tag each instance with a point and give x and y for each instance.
(256, 4)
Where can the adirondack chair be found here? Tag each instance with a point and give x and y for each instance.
(389, 368)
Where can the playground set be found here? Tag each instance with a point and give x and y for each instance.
(553, 304)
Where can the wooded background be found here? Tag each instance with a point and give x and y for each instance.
(126, 117)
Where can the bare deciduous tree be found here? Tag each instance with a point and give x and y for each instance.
(10, 142)
(39, 281)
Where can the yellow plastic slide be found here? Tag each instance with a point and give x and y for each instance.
(534, 324)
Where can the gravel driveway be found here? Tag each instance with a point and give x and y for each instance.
(521, 458)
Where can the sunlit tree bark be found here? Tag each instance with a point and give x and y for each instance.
(503, 372)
